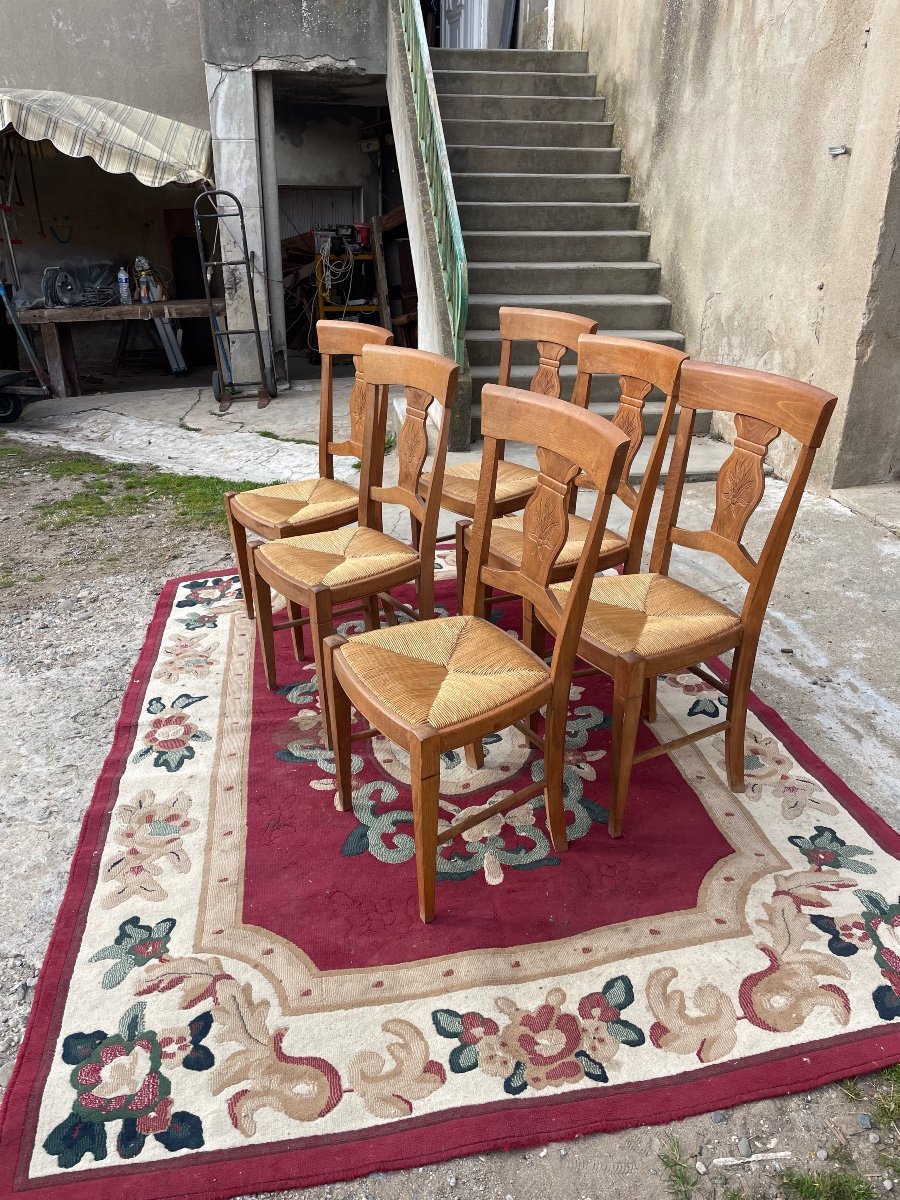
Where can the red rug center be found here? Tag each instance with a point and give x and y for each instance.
(310, 878)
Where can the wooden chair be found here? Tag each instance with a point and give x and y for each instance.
(310, 505)
(553, 333)
(435, 685)
(641, 366)
(638, 627)
(357, 566)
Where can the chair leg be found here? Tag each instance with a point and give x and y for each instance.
(554, 765)
(533, 638)
(320, 627)
(339, 715)
(462, 556)
(738, 698)
(474, 752)
(627, 694)
(295, 612)
(241, 554)
(372, 613)
(426, 590)
(488, 602)
(262, 596)
(414, 531)
(648, 702)
(425, 778)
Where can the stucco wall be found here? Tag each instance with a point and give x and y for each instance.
(146, 54)
(775, 255)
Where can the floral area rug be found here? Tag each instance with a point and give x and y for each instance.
(239, 994)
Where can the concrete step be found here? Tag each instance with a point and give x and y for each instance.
(529, 217)
(562, 278)
(604, 388)
(477, 186)
(546, 135)
(534, 159)
(460, 107)
(633, 313)
(512, 245)
(483, 345)
(513, 83)
(575, 61)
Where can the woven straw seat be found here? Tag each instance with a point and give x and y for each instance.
(507, 540)
(444, 671)
(338, 557)
(514, 482)
(282, 505)
(649, 614)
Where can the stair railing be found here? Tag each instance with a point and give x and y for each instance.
(437, 171)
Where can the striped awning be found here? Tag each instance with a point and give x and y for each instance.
(116, 136)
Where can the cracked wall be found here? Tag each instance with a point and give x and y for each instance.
(339, 36)
(776, 255)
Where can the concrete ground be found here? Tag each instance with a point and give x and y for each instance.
(72, 618)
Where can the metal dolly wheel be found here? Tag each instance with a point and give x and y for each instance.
(225, 387)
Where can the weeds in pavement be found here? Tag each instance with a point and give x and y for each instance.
(681, 1176)
(278, 437)
(851, 1089)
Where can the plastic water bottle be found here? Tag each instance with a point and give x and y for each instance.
(124, 286)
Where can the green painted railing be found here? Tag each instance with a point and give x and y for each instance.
(437, 170)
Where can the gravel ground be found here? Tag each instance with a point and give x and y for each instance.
(73, 610)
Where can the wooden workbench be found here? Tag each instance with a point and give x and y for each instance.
(56, 332)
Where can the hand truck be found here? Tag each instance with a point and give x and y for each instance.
(225, 387)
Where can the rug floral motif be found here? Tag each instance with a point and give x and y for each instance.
(239, 972)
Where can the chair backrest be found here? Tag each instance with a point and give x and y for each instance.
(426, 379)
(344, 337)
(552, 332)
(763, 406)
(568, 441)
(641, 366)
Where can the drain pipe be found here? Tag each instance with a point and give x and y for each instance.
(271, 222)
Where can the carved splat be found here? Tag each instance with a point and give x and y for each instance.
(412, 444)
(357, 404)
(629, 417)
(546, 378)
(545, 522)
(741, 482)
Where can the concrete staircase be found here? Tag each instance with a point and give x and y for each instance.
(544, 208)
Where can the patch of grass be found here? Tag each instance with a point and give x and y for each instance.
(190, 428)
(885, 1107)
(267, 433)
(827, 1185)
(889, 1159)
(681, 1177)
(111, 491)
(851, 1088)
(390, 443)
(7, 579)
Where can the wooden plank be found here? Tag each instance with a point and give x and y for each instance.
(184, 310)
